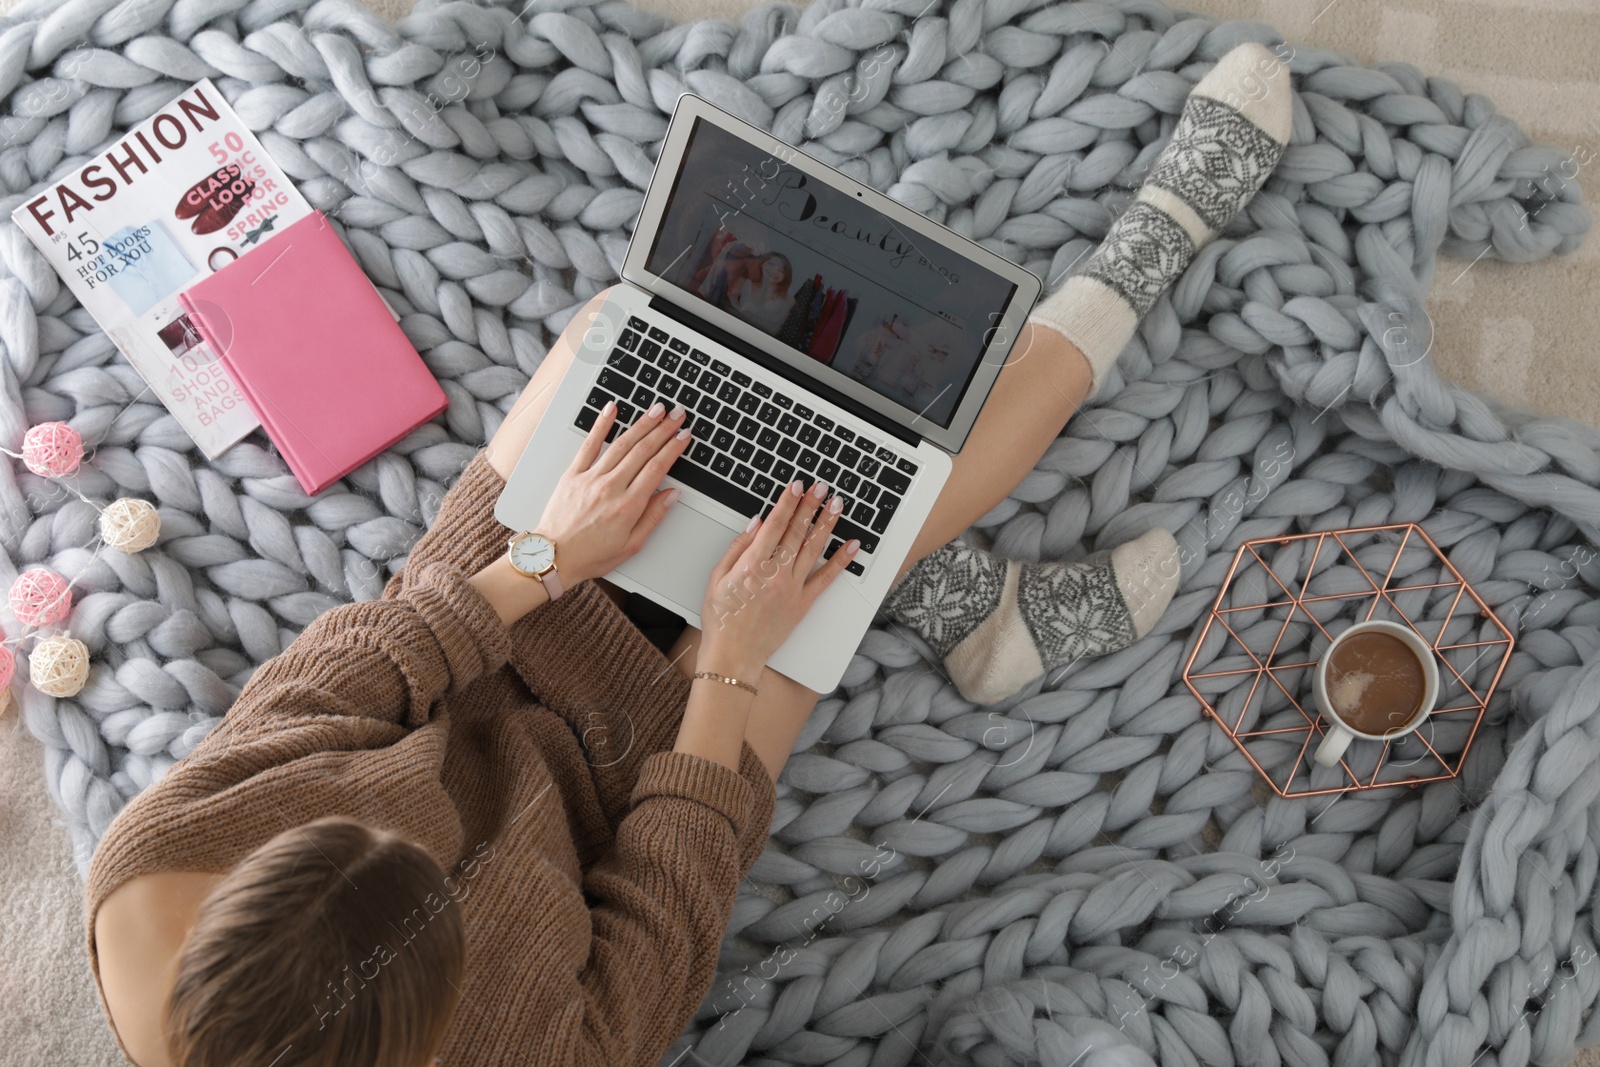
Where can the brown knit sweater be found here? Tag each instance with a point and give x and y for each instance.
(538, 757)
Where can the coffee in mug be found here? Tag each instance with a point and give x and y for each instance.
(1378, 680)
(1375, 682)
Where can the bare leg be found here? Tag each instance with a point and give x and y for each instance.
(998, 625)
(505, 448)
(1043, 382)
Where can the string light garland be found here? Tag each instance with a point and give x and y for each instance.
(58, 665)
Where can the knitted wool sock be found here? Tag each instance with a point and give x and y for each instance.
(999, 624)
(1231, 134)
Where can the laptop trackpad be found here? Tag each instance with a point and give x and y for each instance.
(677, 560)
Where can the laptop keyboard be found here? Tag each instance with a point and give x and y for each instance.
(750, 438)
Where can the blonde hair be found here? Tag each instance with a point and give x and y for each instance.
(332, 945)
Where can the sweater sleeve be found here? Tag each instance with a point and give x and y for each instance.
(660, 902)
(388, 659)
(465, 534)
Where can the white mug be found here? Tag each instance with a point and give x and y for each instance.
(1341, 733)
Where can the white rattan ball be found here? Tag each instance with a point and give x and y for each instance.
(59, 665)
(130, 524)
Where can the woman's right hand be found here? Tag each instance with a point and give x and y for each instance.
(609, 500)
(763, 586)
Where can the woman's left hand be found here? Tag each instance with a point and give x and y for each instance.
(764, 584)
(607, 502)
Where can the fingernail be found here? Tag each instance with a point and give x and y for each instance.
(677, 412)
(836, 505)
(610, 408)
(819, 490)
(795, 487)
(852, 545)
(683, 434)
(657, 410)
(672, 497)
(755, 520)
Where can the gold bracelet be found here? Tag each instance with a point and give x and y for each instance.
(723, 678)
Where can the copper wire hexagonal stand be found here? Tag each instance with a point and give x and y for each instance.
(1251, 668)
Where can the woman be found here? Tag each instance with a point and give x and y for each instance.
(466, 825)
(761, 297)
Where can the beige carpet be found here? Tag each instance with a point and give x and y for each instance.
(51, 1013)
(1517, 333)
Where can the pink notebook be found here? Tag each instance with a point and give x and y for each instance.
(328, 371)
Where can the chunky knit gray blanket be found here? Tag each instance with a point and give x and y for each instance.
(1092, 869)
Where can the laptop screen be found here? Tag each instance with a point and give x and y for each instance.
(824, 273)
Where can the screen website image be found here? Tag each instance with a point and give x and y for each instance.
(825, 274)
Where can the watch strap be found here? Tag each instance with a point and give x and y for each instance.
(552, 582)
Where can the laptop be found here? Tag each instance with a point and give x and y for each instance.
(812, 328)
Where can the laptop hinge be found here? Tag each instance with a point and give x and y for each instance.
(783, 370)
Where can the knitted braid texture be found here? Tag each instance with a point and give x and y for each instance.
(1033, 883)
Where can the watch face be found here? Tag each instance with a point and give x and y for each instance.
(532, 553)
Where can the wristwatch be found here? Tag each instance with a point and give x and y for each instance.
(534, 554)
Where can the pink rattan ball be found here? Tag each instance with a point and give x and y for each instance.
(52, 449)
(40, 597)
(8, 666)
